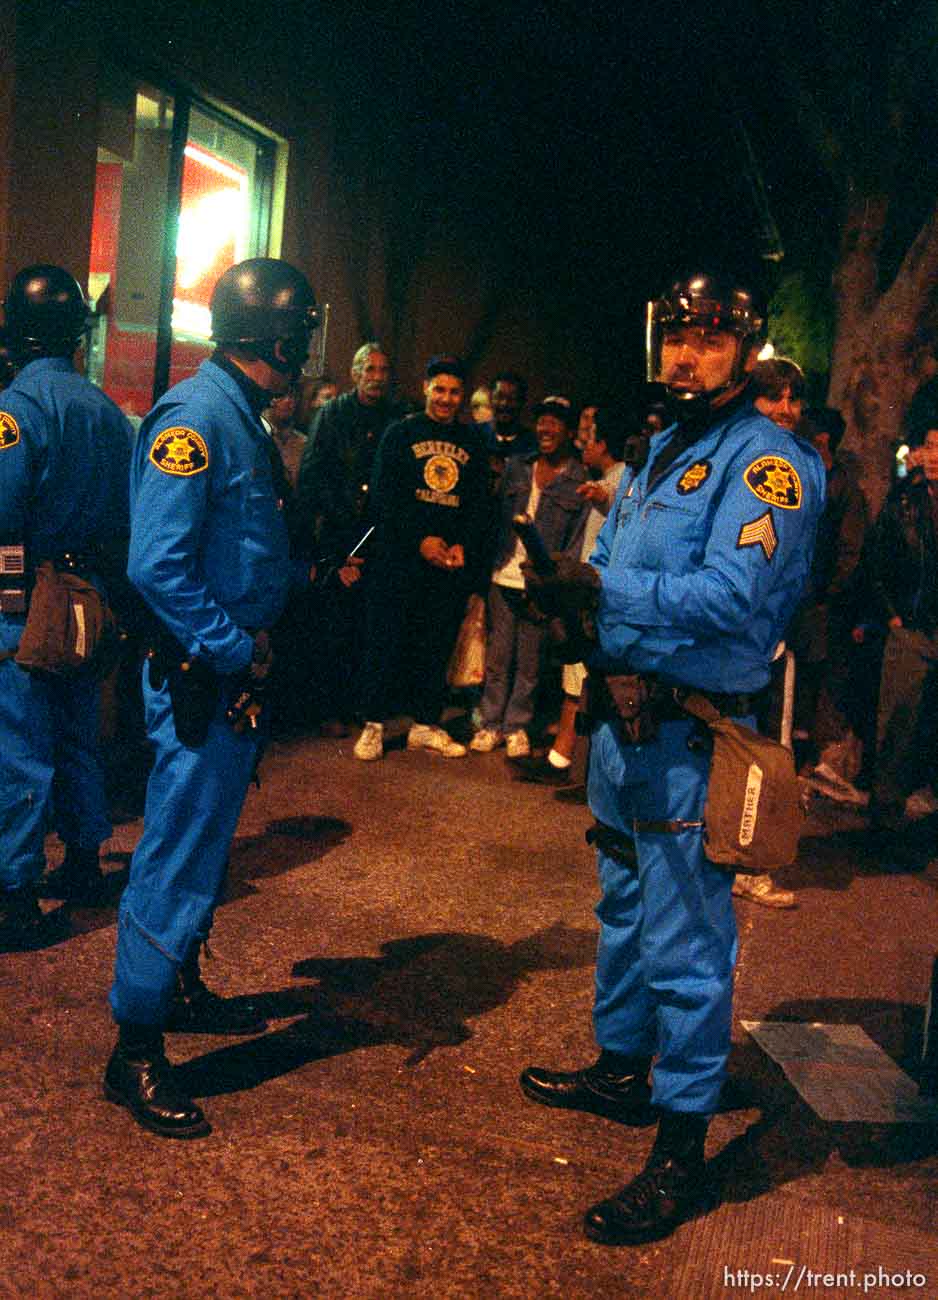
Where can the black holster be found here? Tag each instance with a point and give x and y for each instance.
(614, 844)
(627, 698)
(194, 691)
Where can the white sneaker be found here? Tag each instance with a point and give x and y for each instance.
(370, 744)
(517, 745)
(762, 889)
(485, 740)
(422, 736)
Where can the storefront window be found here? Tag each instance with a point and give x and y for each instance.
(127, 238)
(223, 218)
(167, 165)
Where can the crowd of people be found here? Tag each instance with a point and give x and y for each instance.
(862, 635)
(563, 471)
(272, 543)
(386, 617)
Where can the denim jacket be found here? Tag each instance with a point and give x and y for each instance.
(561, 514)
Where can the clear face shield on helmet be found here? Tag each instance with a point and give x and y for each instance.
(697, 343)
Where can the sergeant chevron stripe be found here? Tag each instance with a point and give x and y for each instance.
(759, 532)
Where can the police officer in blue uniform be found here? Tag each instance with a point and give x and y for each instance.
(209, 554)
(64, 459)
(693, 579)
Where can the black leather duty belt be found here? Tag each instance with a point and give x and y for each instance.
(663, 699)
(729, 705)
(621, 847)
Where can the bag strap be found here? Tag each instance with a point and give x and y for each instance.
(698, 706)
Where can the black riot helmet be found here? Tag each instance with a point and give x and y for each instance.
(262, 302)
(45, 313)
(708, 303)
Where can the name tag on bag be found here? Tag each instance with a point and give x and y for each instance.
(753, 816)
(69, 628)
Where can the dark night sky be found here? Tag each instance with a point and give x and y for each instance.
(586, 152)
(591, 152)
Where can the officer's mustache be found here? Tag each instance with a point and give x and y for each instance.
(683, 374)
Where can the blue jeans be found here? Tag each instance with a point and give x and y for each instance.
(512, 663)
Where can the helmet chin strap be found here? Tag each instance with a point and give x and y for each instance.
(287, 355)
(687, 408)
(699, 408)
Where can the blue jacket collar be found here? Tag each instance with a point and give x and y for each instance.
(61, 364)
(233, 387)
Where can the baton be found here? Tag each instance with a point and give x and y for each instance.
(533, 543)
(334, 568)
(361, 542)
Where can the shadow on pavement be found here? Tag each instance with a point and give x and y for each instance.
(825, 862)
(418, 995)
(284, 844)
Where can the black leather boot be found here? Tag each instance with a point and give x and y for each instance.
(615, 1086)
(24, 925)
(669, 1188)
(197, 1010)
(139, 1077)
(78, 880)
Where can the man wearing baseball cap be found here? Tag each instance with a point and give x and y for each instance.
(542, 485)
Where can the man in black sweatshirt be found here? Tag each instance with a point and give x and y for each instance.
(429, 503)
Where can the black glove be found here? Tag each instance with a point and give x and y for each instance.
(572, 588)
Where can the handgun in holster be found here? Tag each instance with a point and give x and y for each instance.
(626, 698)
(193, 689)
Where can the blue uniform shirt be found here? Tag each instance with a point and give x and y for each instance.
(701, 573)
(208, 548)
(64, 460)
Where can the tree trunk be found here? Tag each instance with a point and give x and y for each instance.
(883, 346)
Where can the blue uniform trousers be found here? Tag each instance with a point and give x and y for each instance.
(194, 799)
(667, 944)
(49, 768)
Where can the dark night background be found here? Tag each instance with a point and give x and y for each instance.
(572, 158)
(593, 151)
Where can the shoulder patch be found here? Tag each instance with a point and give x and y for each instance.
(759, 532)
(179, 451)
(694, 477)
(9, 431)
(775, 481)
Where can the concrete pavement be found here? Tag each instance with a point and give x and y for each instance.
(418, 930)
